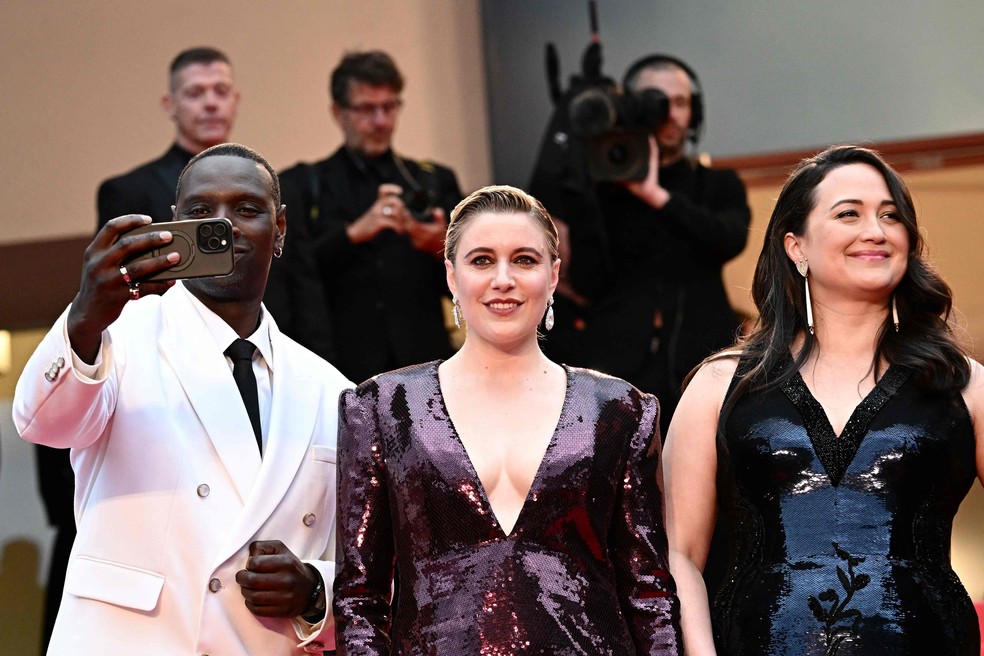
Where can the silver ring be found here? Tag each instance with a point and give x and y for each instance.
(125, 274)
(134, 291)
(387, 210)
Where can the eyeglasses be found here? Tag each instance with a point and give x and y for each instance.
(368, 110)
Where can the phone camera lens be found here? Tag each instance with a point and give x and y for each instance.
(205, 230)
(219, 229)
(214, 243)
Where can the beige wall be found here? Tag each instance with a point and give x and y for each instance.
(82, 83)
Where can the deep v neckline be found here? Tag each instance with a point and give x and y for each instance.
(836, 453)
(472, 472)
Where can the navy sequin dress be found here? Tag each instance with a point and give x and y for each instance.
(841, 544)
(584, 570)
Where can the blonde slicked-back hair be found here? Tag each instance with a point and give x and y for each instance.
(500, 199)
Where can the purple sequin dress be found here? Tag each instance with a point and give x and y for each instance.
(584, 570)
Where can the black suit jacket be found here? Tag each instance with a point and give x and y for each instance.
(383, 298)
(653, 278)
(148, 189)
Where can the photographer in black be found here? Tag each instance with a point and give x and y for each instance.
(645, 299)
(374, 222)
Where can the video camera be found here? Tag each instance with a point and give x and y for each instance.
(616, 125)
(613, 123)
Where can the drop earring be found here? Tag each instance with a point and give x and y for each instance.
(895, 314)
(548, 320)
(804, 270)
(456, 312)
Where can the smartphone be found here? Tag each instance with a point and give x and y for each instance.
(204, 246)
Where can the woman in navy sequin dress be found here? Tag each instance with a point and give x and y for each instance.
(521, 501)
(837, 441)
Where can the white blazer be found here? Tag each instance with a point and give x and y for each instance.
(171, 489)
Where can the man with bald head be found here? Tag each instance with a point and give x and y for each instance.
(203, 440)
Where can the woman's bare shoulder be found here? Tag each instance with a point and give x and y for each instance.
(974, 392)
(717, 372)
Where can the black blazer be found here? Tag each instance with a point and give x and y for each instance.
(148, 189)
(653, 278)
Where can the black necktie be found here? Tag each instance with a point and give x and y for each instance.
(241, 353)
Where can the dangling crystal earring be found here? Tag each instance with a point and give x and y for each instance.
(804, 269)
(456, 312)
(548, 320)
(895, 314)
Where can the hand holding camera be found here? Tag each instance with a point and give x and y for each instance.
(648, 189)
(387, 213)
(428, 236)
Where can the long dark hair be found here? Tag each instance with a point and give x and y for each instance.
(925, 341)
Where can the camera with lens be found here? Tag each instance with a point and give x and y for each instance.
(616, 125)
(213, 236)
(599, 132)
(420, 202)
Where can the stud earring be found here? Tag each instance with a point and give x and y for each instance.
(456, 312)
(804, 270)
(548, 320)
(895, 314)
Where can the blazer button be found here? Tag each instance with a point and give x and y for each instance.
(60, 362)
(203, 490)
(48, 376)
(309, 519)
(214, 585)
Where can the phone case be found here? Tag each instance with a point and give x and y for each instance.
(204, 246)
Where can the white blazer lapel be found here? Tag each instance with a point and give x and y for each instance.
(295, 408)
(203, 372)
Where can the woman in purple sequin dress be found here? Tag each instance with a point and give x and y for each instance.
(837, 442)
(520, 501)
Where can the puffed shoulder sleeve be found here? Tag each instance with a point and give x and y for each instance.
(647, 592)
(364, 548)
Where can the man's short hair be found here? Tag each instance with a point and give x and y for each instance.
(235, 150)
(373, 67)
(199, 55)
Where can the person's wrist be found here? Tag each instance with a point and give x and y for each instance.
(317, 602)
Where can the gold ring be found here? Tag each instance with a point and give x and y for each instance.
(125, 274)
(134, 291)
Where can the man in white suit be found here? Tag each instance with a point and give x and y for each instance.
(192, 537)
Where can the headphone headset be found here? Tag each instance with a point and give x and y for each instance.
(696, 93)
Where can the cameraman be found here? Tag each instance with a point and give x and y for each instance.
(657, 304)
(375, 222)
